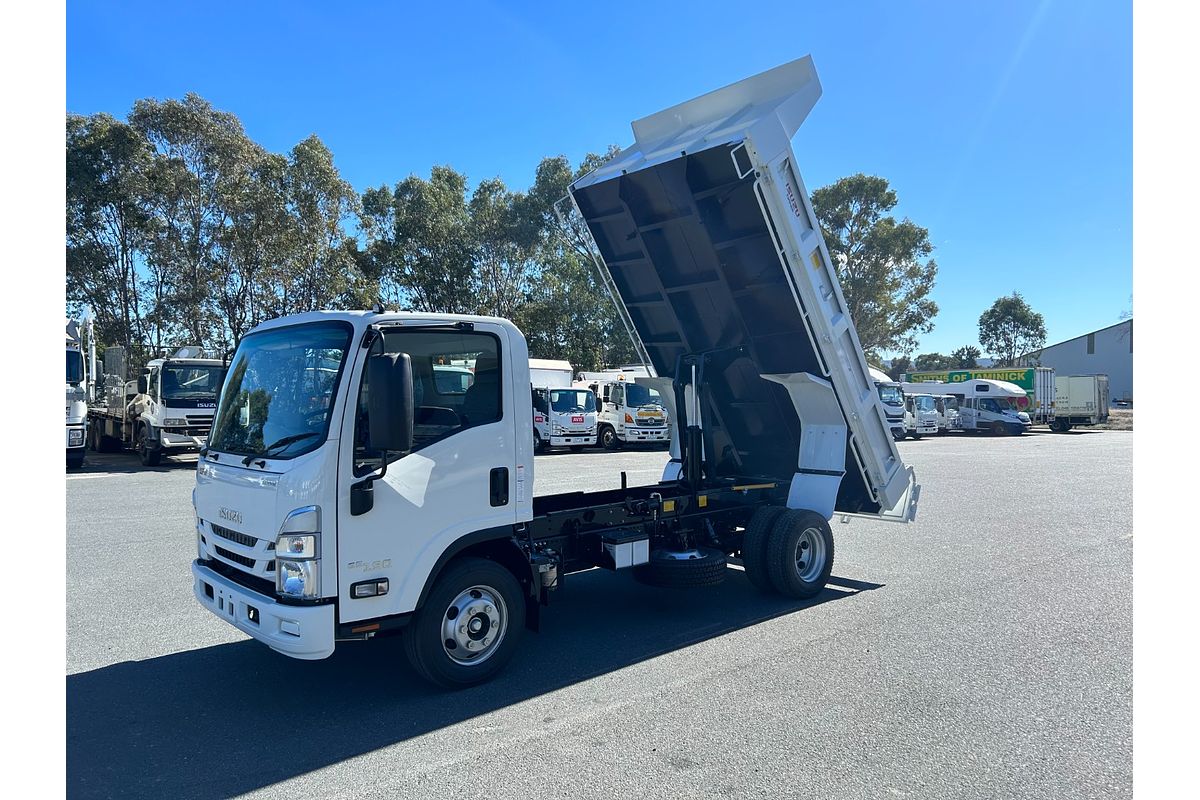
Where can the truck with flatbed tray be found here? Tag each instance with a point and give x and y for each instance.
(365, 513)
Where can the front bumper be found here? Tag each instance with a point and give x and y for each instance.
(305, 632)
(180, 441)
(634, 434)
(573, 440)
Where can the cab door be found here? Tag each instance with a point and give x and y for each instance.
(457, 480)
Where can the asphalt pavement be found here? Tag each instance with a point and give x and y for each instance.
(983, 651)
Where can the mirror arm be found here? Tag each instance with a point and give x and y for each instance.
(383, 469)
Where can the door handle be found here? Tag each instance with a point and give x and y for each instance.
(498, 486)
(362, 497)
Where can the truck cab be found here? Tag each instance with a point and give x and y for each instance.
(947, 410)
(565, 416)
(172, 409)
(920, 414)
(630, 412)
(77, 396)
(891, 398)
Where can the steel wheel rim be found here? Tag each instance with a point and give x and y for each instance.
(609, 437)
(810, 555)
(474, 625)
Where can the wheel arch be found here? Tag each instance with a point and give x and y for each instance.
(494, 544)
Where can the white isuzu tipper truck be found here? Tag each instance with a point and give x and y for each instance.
(333, 503)
(630, 411)
(563, 415)
(168, 410)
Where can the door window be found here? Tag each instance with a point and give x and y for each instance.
(618, 395)
(440, 409)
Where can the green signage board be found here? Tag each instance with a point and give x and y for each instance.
(1021, 376)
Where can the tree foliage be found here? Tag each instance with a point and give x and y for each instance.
(883, 264)
(900, 365)
(183, 230)
(965, 357)
(1011, 328)
(933, 362)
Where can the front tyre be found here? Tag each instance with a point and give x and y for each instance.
(470, 625)
(75, 458)
(800, 554)
(608, 438)
(151, 457)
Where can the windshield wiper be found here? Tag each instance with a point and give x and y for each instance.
(286, 440)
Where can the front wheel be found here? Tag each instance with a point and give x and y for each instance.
(539, 444)
(150, 457)
(608, 438)
(75, 458)
(470, 625)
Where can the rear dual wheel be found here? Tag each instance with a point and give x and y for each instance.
(795, 558)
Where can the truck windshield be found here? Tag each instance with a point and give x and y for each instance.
(636, 395)
(74, 366)
(279, 394)
(891, 395)
(191, 382)
(925, 403)
(564, 400)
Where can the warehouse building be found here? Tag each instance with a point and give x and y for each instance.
(1108, 351)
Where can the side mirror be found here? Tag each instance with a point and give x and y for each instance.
(390, 401)
(143, 386)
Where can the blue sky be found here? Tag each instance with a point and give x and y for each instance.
(1005, 128)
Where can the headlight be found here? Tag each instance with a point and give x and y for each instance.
(75, 437)
(297, 578)
(174, 422)
(296, 545)
(297, 554)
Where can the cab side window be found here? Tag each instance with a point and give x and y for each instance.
(153, 387)
(617, 395)
(439, 409)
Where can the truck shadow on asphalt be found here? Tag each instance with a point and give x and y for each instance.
(228, 719)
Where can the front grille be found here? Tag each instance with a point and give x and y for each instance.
(651, 423)
(234, 536)
(234, 557)
(251, 582)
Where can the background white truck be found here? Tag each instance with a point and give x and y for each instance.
(920, 413)
(342, 510)
(168, 410)
(1080, 400)
(563, 415)
(80, 367)
(891, 397)
(630, 412)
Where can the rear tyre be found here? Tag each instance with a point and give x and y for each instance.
(898, 435)
(754, 546)
(800, 554)
(681, 569)
(916, 436)
(470, 625)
